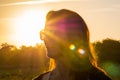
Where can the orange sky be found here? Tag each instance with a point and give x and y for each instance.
(20, 22)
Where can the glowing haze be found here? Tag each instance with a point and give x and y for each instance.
(21, 21)
(28, 26)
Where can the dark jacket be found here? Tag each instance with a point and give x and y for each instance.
(93, 74)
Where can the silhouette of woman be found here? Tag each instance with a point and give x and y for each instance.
(66, 37)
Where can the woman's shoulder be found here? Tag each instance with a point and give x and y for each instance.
(99, 74)
(43, 76)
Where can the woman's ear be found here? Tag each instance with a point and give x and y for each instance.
(42, 35)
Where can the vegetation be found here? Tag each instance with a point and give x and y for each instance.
(27, 62)
(108, 52)
(22, 64)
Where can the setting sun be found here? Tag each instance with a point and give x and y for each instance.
(27, 27)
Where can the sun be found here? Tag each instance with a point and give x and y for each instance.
(27, 27)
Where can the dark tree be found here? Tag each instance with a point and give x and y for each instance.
(108, 50)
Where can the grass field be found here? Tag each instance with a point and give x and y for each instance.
(18, 74)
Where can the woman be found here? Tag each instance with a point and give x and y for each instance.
(66, 37)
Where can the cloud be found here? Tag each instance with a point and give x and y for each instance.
(105, 10)
(25, 3)
(38, 2)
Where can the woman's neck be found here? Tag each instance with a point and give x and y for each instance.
(61, 72)
(64, 72)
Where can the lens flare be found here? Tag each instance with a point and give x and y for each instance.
(81, 51)
(72, 47)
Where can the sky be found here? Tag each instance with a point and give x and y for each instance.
(21, 20)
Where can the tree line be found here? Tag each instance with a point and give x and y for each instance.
(33, 59)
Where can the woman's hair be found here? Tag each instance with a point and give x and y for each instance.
(67, 14)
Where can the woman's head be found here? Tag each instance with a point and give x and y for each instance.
(66, 33)
(68, 23)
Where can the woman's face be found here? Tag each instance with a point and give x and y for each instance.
(59, 35)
